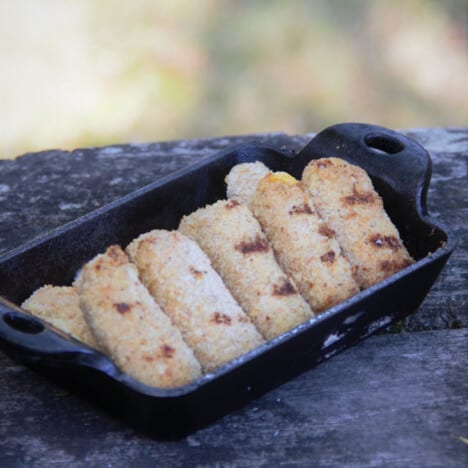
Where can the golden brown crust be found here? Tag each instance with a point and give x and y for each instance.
(233, 240)
(130, 326)
(243, 179)
(60, 306)
(344, 196)
(179, 275)
(308, 253)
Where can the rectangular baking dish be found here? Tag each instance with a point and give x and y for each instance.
(400, 170)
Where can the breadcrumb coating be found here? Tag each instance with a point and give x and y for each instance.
(304, 246)
(242, 180)
(60, 306)
(130, 326)
(232, 238)
(180, 277)
(344, 196)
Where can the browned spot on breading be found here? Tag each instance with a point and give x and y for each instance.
(167, 351)
(406, 262)
(257, 245)
(220, 318)
(327, 303)
(326, 231)
(387, 265)
(358, 198)
(114, 252)
(284, 289)
(122, 307)
(355, 272)
(391, 242)
(391, 266)
(231, 204)
(153, 240)
(323, 163)
(198, 274)
(243, 319)
(328, 257)
(301, 209)
(148, 358)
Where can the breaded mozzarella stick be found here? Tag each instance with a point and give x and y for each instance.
(60, 306)
(130, 326)
(242, 180)
(344, 196)
(303, 244)
(233, 240)
(180, 277)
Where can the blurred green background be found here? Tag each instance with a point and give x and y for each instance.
(94, 72)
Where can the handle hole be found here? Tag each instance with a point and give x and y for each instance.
(383, 144)
(23, 324)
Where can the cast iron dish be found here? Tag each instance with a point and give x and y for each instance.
(400, 170)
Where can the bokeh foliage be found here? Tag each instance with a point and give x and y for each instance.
(89, 72)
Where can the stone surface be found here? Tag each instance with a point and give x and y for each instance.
(394, 400)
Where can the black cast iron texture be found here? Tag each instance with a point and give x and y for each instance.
(400, 170)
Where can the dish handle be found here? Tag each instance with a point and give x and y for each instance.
(26, 336)
(397, 162)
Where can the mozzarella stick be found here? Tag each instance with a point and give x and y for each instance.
(180, 277)
(242, 180)
(304, 246)
(344, 196)
(232, 238)
(60, 306)
(130, 326)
